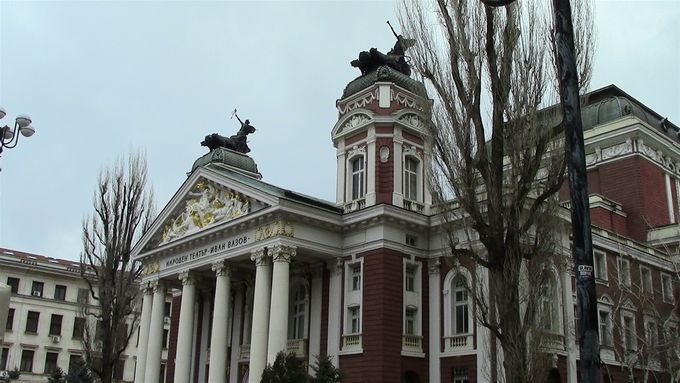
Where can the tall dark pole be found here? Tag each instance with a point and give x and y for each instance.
(582, 243)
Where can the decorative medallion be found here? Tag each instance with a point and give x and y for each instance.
(207, 204)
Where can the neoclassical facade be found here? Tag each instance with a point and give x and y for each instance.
(255, 269)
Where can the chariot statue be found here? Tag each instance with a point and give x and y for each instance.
(237, 142)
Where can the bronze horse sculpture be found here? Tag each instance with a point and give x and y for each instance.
(236, 142)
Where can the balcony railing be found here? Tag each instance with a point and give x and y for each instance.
(351, 342)
(458, 343)
(412, 343)
(414, 206)
(298, 347)
(357, 204)
(244, 352)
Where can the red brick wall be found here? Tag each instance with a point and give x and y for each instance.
(413, 138)
(355, 138)
(381, 320)
(468, 362)
(384, 172)
(172, 341)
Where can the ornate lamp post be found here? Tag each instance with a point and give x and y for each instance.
(9, 137)
(582, 243)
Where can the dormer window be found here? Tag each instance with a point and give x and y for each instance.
(358, 172)
(411, 178)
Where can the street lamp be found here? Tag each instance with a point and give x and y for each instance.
(9, 138)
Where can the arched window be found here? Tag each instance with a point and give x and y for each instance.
(358, 189)
(461, 307)
(411, 178)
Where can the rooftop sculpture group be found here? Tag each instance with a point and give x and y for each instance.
(237, 142)
(370, 60)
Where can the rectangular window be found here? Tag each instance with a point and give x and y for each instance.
(165, 338)
(73, 359)
(651, 334)
(355, 274)
(13, 283)
(605, 328)
(667, 288)
(51, 362)
(461, 314)
(99, 331)
(600, 262)
(60, 293)
(119, 369)
(629, 341)
(358, 178)
(411, 179)
(410, 322)
(460, 375)
(166, 309)
(55, 324)
(410, 280)
(26, 361)
(37, 289)
(646, 280)
(3, 358)
(10, 320)
(355, 320)
(32, 320)
(78, 328)
(83, 296)
(624, 272)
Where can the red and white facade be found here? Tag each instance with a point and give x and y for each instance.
(255, 269)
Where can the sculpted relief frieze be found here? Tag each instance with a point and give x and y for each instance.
(207, 204)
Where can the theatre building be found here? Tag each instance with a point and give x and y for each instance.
(255, 269)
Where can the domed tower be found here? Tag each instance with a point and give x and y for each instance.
(381, 136)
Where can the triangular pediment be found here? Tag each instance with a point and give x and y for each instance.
(204, 201)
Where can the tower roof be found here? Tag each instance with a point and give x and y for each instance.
(384, 74)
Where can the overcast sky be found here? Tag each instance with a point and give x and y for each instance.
(101, 79)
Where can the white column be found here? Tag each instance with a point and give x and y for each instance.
(370, 167)
(315, 316)
(569, 335)
(236, 335)
(143, 343)
(260, 326)
(669, 198)
(186, 329)
(483, 334)
(341, 181)
(397, 195)
(217, 373)
(278, 313)
(334, 310)
(435, 339)
(153, 354)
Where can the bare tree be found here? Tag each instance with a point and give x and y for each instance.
(497, 150)
(647, 343)
(123, 210)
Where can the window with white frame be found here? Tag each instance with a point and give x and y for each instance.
(358, 172)
(298, 319)
(549, 304)
(460, 375)
(667, 288)
(410, 321)
(605, 322)
(600, 263)
(628, 333)
(411, 178)
(646, 280)
(461, 307)
(355, 276)
(354, 322)
(651, 333)
(624, 272)
(410, 278)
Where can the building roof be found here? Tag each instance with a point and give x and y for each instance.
(384, 74)
(40, 260)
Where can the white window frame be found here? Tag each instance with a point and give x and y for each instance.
(349, 328)
(412, 151)
(297, 284)
(449, 292)
(361, 157)
(354, 280)
(415, 328)
(607, 326)
(408, 175)
(643, 282)
(667, 288)
(411, 278)
(552, 300)
(600, 275)
(627, 313)
(624, 280)
(651, 340)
